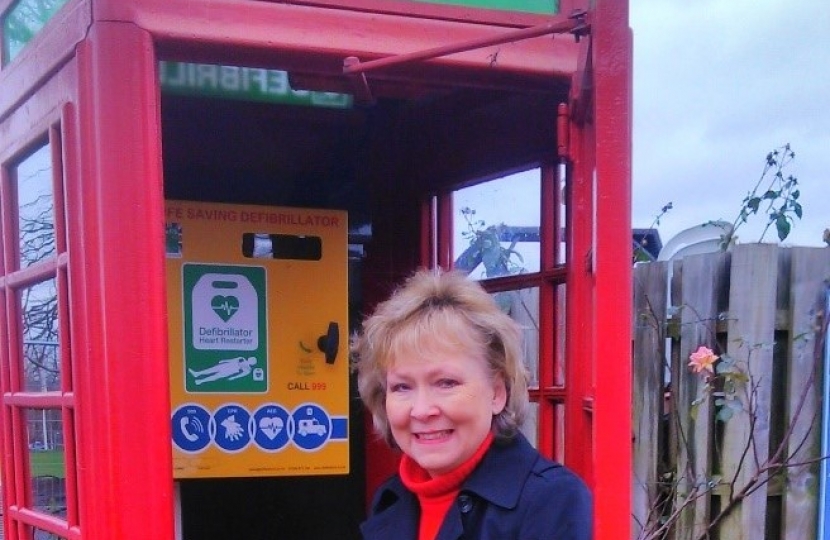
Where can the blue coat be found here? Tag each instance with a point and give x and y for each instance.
(514, 494)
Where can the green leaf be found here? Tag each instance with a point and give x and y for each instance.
(770, 194)
(782, 225)
(753, 204)
(797, 210)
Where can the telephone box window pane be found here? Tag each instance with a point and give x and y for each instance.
(560, 316)
(496, 226)
(23, 22)
(559, 431)
(38, 534)
(530, 428)
(562, 226)
(41, 351)
(523, 307)
(46, 459)
(36, 207)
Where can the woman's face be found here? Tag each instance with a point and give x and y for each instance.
(440, 408)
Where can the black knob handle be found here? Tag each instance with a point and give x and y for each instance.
(330, 343)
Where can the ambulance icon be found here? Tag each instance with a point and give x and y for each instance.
(311, 426)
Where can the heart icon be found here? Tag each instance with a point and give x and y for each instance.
(225, 306)
(271, 426)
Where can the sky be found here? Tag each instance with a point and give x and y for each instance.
(717, 85)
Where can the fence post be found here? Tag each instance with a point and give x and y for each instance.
(751, 335)
(650, 292)
(809, 270)
(704, 286)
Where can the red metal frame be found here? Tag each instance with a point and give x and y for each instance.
(110, 136)
(600, 276)
(612, 62)
(129, 332)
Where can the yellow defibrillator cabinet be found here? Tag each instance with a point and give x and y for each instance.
(258, 319)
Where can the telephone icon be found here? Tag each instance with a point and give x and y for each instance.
(191, 427)
(184, 423)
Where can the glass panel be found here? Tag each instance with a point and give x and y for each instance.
(496, 226)
(23, 22)
(562, 231)
(46, 459)
(523, 307)
(559, 430)
(530, 428)
(36, 205)
(560, 316)
(38, 534)
(41, 351)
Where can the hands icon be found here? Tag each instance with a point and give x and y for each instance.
(233, 429)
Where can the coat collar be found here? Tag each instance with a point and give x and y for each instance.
(499, 479)
(501, 476)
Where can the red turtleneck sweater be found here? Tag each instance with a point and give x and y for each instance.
(437, 494)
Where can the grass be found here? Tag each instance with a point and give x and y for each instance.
(48, 463)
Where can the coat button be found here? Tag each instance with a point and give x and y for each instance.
(465, 503)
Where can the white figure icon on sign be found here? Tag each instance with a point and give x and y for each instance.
(191, 435)
(230, 369)
(233, 429)
(271, 426)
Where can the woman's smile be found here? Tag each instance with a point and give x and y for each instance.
(433, 436)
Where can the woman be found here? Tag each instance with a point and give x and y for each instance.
(439, 367)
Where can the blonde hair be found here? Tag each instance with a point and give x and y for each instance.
(440, 311)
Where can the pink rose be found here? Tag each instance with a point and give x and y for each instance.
(703, 359)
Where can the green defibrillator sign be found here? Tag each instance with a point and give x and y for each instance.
(225, 327)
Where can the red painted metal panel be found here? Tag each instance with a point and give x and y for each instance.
(186, 30)
(444, 232)
(612, 61)
(25, 127)
(547, 314)
(579, 347)
(5, 339)
(115, 210)
(432, 11)
(428, 256)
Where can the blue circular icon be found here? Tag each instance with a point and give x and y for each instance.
(312, 426)
(272, 427)
(232, 427)
(191, 427)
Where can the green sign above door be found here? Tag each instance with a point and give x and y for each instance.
(544, 7)
(242, 83)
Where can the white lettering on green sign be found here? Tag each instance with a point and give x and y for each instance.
(242, 83)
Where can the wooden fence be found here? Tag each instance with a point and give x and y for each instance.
(738, 447)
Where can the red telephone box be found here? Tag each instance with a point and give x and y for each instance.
(423, 121)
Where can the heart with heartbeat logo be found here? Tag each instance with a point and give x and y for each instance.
(225, 306)
(271, 426)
